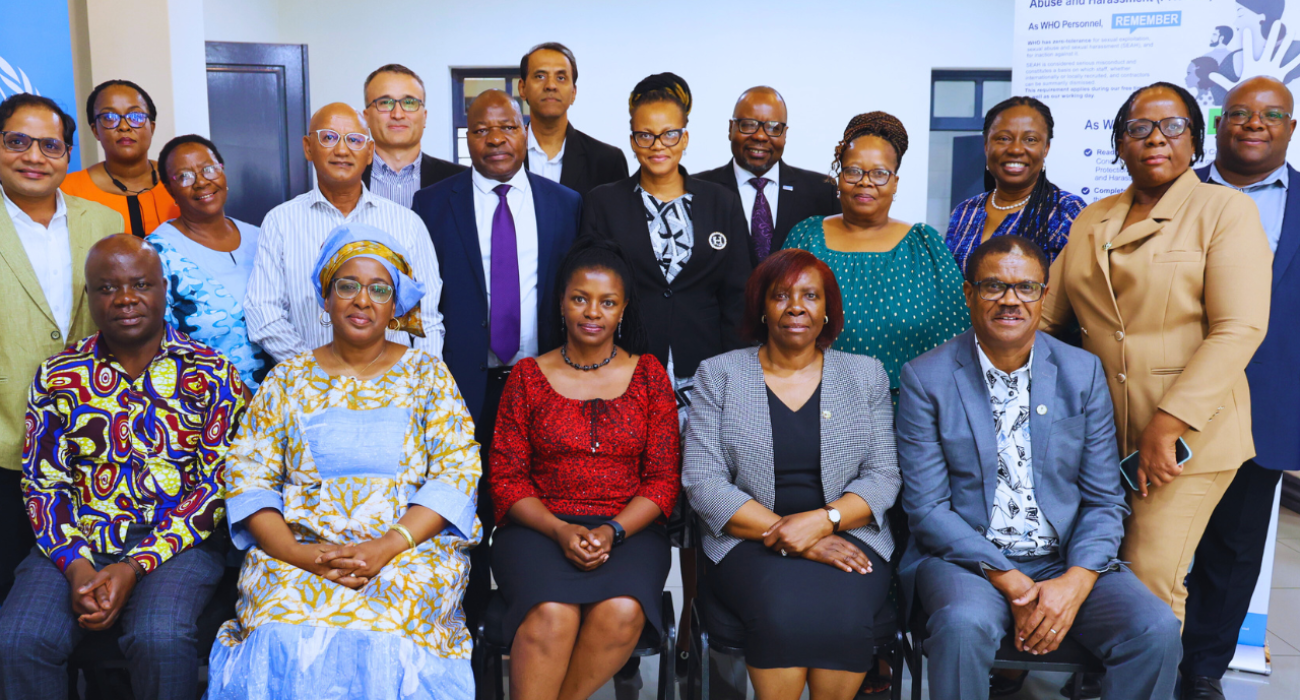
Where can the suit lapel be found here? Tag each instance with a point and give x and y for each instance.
(462, 212)
(979, 412)
(635, 236)
(1289, 241)
(80, 238)
(15, 257)
(755, 396)
(702, 251)
(836, 412)
(785, 205)
(547, 217)
(1042, 393)
(573, 171)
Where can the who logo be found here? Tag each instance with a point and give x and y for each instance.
(14, 80)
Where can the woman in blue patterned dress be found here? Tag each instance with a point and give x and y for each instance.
(207, 256)
(1017, 137)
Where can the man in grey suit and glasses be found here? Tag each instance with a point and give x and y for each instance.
(1006, 443)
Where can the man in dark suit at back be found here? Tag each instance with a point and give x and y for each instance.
(395, 113)
(776, 196)
(500, 234)
(548, 81)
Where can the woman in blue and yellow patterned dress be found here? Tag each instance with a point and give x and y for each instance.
(353, 479)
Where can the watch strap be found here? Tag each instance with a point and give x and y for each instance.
(619, 533)
(835, 522)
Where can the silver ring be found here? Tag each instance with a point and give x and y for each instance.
(1052, 631)
(783, 552)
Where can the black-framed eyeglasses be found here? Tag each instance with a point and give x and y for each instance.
(645, 139)
(995, 290)
(750, 126)
(876, 176)
(329, 138)
(379, 292)
(386, 104)
(1172, 127)
(134, 119)
(18, 142)
(1271, 117)
(210, 172)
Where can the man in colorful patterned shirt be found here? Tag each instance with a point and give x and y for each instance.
(123, 462)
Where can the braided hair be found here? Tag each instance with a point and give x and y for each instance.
(1035, 217)
(881, 124)
(662, 87)
(596, 253)
(1197, 126)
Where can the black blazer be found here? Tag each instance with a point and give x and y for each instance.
(698, 315)
(589, 163)
(804, 193)
(432, 170)
(447, 209)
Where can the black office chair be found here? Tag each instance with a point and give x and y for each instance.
(1070, 657)
(490, 646)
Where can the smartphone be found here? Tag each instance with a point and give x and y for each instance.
(1128, 467)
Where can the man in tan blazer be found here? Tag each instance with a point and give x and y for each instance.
(44, 237)
(1175, 305)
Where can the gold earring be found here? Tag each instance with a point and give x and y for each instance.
(394, 324)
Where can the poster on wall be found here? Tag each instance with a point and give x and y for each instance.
(36, 57)
(1084, 57)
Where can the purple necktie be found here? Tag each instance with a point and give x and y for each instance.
(505, 281)
(760, 224)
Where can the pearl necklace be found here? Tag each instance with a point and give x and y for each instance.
(1014, 205)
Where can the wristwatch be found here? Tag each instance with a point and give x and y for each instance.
(136, 568)
(834, 515)
(619, 533)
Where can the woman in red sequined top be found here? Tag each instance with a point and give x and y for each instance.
(585, 468)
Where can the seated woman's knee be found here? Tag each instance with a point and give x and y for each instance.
(620, 620)
(549, 623)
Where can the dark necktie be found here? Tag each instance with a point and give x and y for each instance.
(505, 281)
(760, 224)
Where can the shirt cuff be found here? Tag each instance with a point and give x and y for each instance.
(456, 506)
(239, 508)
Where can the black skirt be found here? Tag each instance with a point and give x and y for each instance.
(530, 568)
(799, 613)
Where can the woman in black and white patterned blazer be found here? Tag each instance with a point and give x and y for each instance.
(790, 464)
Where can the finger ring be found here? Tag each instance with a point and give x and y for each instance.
(1052, 631)
(783, 552)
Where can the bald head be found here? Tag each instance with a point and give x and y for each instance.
(761, 112)
(496, 137)
(1254, 130)
(338, 161)
(339, 114)
(127, 292)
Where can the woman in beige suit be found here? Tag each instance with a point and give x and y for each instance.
(1169, 281)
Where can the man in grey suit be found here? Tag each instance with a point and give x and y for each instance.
(1006, 443)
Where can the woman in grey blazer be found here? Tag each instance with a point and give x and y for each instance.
(790, 464)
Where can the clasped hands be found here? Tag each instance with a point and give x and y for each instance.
(350, 565)
(585, 549)
(98, 597)
(1044, 611)
(812, 536)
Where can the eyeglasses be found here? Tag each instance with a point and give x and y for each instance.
(110, 120)
(210, 172)
(379, 292)
(1271, 117)
(878, 176)
(329, 138)
(1173, 127)
(386, 104)
(995, 290)
(750, 126)
(18, 142)
(645, 139)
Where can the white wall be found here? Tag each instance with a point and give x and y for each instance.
(831, 59)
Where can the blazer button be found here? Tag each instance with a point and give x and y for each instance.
(55, 335)
(1120, 378)
(979, 529)
(1119, 335)
(668, 294)
(485, 323)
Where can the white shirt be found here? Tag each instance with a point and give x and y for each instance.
(1018, 526)
(748, 193)
(281, 308)
(541, 164)
(520, 200)
(50, 254)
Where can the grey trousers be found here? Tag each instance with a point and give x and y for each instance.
(1128, 628)
(39, 630)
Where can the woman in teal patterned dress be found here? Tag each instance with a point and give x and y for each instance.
(902, 290)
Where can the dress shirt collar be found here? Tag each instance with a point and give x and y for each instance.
(536, 149)
(1278, 178)
(318, 198)
(987, 365)
(17, 215)
(382, 166)
(174, 343)
(773, 175)
(485, 185)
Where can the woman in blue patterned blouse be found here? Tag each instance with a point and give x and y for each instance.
(207, 256)
(1017, 137)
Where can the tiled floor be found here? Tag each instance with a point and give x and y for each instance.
(1283, 638)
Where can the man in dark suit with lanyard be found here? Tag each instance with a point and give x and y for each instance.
(396, 114)
(548, 82)
(776, 196)
(500, 234)
(1254, 131)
